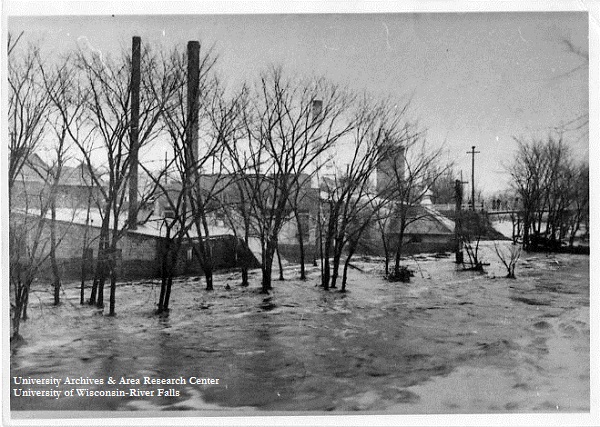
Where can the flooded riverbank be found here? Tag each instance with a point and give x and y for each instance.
(448, 342)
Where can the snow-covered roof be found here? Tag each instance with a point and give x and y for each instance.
(428, 222)
(152, 225)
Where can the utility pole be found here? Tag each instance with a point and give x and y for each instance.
(472, 153)
(458, 196)
(317, 107)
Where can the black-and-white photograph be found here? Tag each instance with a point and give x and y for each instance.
(277, 214)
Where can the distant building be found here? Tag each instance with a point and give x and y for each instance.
(391, 168)
(75, 189)
(78, 222)
(139, 251)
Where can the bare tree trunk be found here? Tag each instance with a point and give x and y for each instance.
(325, 275)
(168, 293)
(208, 267)
(387, 263)
(266, 282)
(53, 262)
(82, 289)
(101, 281)
(335, 267)
(96, 279)
(113, 289)
(301, 244)
(168, 262)
(351, 251)
(208, 276)
(163, 290)
(280, 264)
(84, 259)
(164, 274)
(331, 229)
(205, 256)
(245, 276)
(97, 294)
(25, 300)
(267, 267)
(386, 249)
(399, 249)
(20, 308)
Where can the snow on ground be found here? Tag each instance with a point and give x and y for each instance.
(448, 342)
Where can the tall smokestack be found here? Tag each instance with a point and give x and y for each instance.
(135, 123)
(317, 107)
(193, 51)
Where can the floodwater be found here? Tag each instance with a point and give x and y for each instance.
(448, 342)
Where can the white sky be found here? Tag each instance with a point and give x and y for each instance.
(474, 78)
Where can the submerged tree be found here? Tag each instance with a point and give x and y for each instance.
(552, 191)
(473, 228)
(189, 203)
(28, 113)
(352, 199)
(509, 258)
(411, 169)
(103, 86)
(283, 141)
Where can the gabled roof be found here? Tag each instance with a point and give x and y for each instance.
(35, 169)
(76, 176)
(428, 222)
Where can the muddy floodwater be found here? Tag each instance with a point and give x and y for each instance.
(448, 342)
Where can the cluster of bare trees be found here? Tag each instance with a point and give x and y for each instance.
(553, 193)
(30, 119)
(76, 108)
(267, 140)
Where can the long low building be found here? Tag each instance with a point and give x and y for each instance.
(138, 251)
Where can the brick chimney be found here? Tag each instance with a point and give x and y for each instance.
(317, 107)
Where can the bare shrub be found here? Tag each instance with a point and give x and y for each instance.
(509, 255)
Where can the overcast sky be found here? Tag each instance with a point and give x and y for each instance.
(474, 78)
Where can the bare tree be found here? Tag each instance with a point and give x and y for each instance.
(298, 198)
(551, 191)
(352, 198)
(509, 258)
(187, 113)
(62, 91)
(175, 226)
(283, 141)
(442, 184)
(103, 136)
(30, 232)
(383, 221)
(580, 204)
(28, 105)
(412, 169)
(28, 111)
(473, 228)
